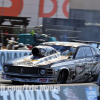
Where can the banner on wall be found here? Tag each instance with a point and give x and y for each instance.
(35, 9)
(50, 92)
(12, 54)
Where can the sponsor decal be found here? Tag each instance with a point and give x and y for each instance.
(47, 59)
(43, 80)
(33, 60)
(28, 59)
(65, 8)
(16, 6)
(70, 94)
(54, 80)
(26, 63)
(50, 80)
(45, 8)
(79, 68)
(25, 59)
(91, 93)
(3, 76)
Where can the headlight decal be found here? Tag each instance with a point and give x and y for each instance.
(42, 71)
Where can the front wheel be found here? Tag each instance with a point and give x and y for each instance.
(62, 77)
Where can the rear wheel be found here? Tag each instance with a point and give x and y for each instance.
(62, 77)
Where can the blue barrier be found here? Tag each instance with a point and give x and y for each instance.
(50, 92)
(12, 54)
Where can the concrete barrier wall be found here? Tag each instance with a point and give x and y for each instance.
(50, 92)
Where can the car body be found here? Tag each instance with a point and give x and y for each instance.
(55, 62)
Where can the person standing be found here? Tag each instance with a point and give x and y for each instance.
(63, 37)
(5, 36)
(32, 32)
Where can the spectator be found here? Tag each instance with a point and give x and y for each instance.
(63, 37)
(5, 36)
(32, 32)
(6, 32)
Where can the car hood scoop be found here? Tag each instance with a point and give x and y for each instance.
(43, 51)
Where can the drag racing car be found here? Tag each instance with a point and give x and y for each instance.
(55, 62)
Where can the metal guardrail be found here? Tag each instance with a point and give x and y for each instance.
(62, 30)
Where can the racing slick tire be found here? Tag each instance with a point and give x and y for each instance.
(15, 82)
(62, 77)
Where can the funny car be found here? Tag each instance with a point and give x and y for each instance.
(55, 62)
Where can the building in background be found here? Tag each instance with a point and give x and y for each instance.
(89, 11)
(35, 9)
(73, 11)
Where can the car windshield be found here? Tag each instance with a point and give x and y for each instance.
(64, 50)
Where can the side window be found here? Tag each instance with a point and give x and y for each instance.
(84, 52)
(80, 53)
(87, 51)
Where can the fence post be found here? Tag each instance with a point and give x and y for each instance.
(2, 37)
